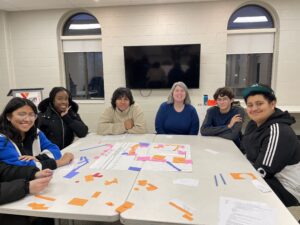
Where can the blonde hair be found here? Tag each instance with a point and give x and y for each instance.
(187, 99)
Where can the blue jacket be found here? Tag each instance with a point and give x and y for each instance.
(215, 123)
(168, 121)
(41, 148)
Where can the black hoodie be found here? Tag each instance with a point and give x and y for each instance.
(61, 130)
(274, 149)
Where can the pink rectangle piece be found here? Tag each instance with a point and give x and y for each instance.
(143, 158)
(181, 152)
(188, 161)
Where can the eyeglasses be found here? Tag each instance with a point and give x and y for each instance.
(23, 116)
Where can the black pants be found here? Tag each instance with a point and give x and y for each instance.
(286, 197)
(7, 219)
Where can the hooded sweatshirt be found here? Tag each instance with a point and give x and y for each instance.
(61, 130)
(274, 150)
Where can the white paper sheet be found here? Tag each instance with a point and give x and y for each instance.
(235, 211)
(187, 182)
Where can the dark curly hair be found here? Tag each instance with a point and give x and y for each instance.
(7, 129)
(224, 91)
(119, 93)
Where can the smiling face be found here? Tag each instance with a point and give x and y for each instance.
(179, 95)
(224, 103)
(122, 103)
(259, 109)
(22, 119)
(61, 101)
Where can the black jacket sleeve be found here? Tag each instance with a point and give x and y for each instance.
(274, 154)
(12, 190)
(14, 181)
(74, 121)
(46, 162)
(10, 172)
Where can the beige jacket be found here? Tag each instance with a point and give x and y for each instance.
(112, 121)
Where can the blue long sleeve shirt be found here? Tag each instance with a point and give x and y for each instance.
(216, 124)
(168, 121)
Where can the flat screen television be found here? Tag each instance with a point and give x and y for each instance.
(159, 66)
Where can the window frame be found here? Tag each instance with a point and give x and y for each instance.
(256, 31)
(63, 38)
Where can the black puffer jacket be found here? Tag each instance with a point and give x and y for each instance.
(61, 130)
(14, 181)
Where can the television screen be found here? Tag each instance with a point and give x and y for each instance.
(155, 67)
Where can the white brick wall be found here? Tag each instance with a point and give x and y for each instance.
(35, 51)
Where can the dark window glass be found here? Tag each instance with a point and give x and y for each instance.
(84, 71)
(243, 70)
(250, 17)
(82, 24)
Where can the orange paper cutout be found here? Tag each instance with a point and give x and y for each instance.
(136, 189)
(114, 181)
(89, 178)
(37, 206)
(240, 176)
(142, 182)
(45, 198)
(109, 203)
(188, 217)
(96, 194)
(252, 175)
(158, 157)
(151, 187)
(78, 201)
(126, 205)
(178, 160)
(133, 149)
(181, 209)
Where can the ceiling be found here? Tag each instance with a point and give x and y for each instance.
(22, 5)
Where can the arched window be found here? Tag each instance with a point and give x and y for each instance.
(81, 42)
(250, 46)
(81, 24)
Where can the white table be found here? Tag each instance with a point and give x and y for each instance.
(154, 208)
(64, 190)
(211, 156)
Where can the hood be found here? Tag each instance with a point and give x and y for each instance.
(280, 117)
(46, 103)
(277, 117)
